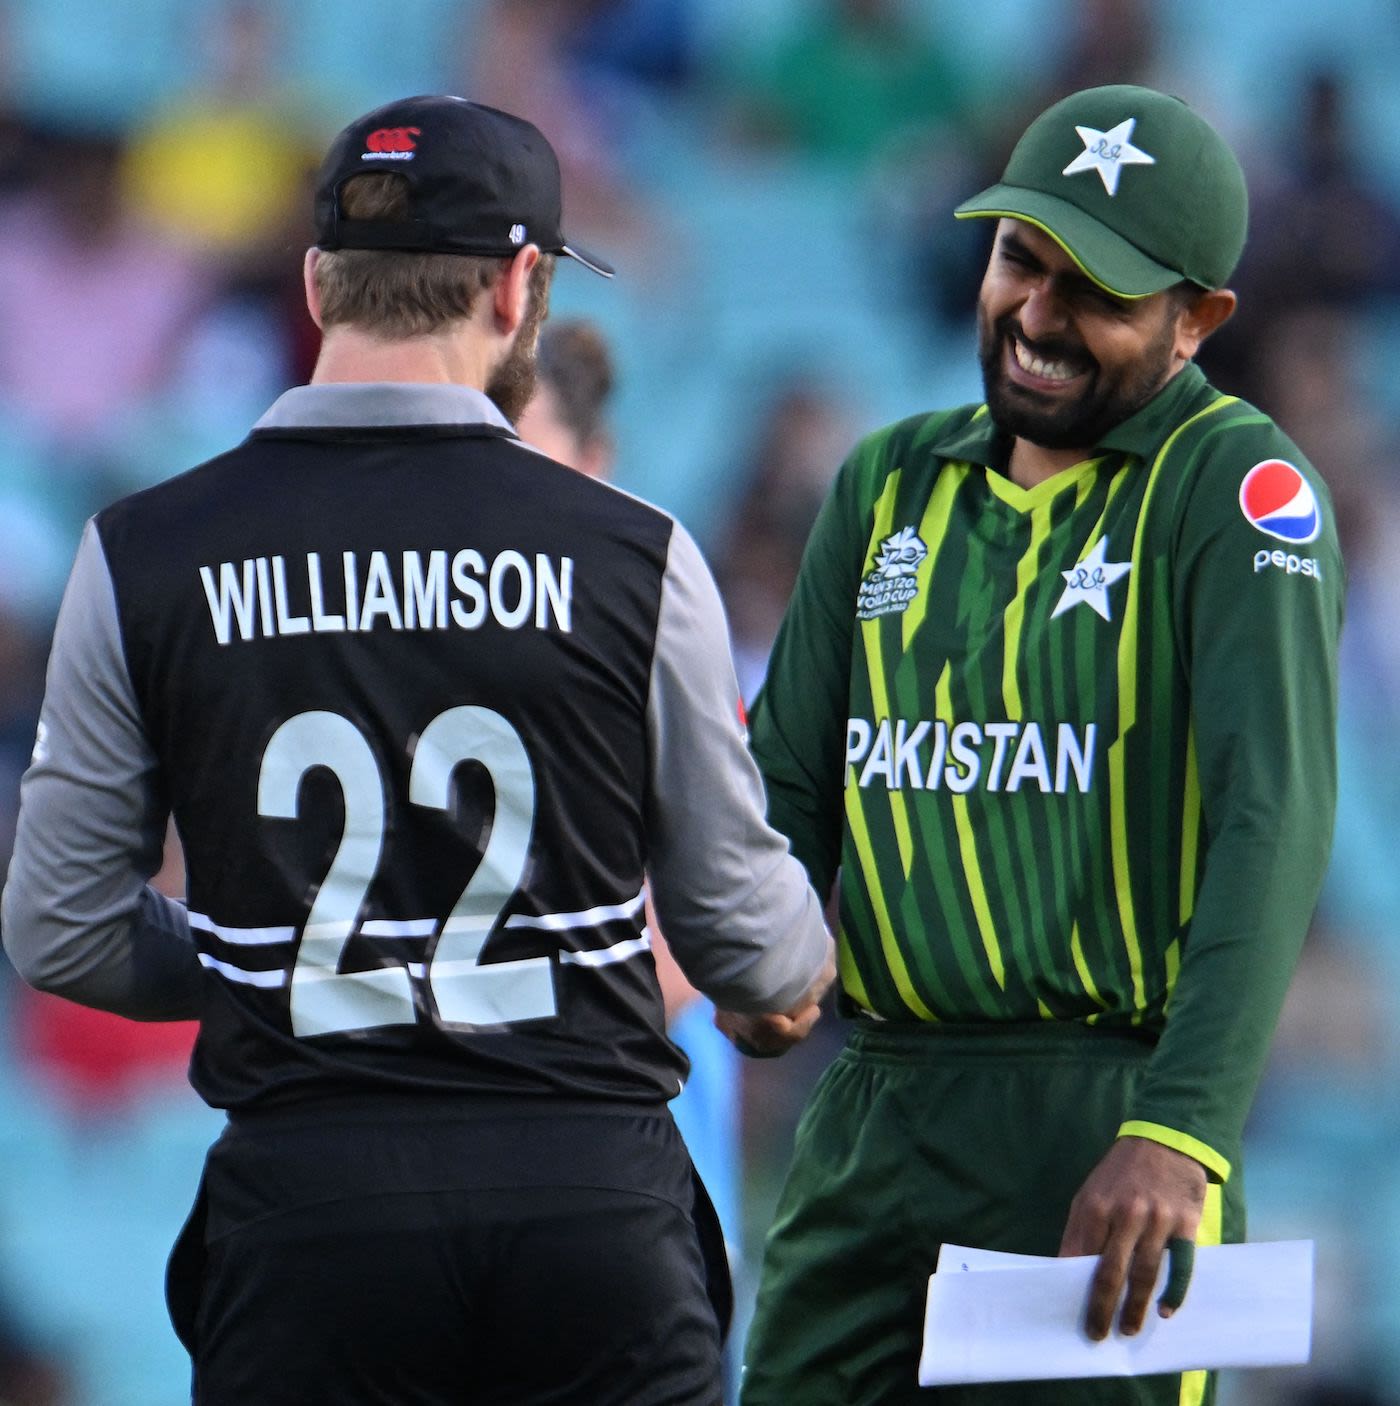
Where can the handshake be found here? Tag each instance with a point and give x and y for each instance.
(774, 1033)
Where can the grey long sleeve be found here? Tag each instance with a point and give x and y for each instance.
(79, 919)
(735, 906)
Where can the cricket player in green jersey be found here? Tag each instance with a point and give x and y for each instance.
(1055, 695)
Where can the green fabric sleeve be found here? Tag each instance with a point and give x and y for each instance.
(1258, 635)
(798, 722)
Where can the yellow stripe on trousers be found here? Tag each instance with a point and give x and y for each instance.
(1193, 1384)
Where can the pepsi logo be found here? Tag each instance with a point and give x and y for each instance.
(1279, 501)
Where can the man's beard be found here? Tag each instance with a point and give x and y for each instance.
(513, 382)
(1080, 423)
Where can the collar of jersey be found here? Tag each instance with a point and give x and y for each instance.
(1026, 500)
(380, 404)
(980, 442)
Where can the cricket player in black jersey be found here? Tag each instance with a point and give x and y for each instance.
(425, 705)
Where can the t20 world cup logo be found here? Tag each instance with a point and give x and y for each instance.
(891, 582)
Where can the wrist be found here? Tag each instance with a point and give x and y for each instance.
(1216, 1167)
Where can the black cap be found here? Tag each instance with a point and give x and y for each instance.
(481, 182)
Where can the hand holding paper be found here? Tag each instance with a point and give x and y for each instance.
(1022, 1319)
(1140, 1196)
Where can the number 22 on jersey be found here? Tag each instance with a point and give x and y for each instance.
(325, 1000)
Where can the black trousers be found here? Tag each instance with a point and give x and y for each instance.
(515, 1258)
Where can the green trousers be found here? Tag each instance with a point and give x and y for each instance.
(915, 1136)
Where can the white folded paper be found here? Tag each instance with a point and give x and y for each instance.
(1248, 1306)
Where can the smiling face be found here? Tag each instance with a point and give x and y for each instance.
(1063, 360)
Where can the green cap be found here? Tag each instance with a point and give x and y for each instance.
(1139, 190)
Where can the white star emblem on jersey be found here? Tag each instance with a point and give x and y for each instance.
(1088, 582)
(1107, 153)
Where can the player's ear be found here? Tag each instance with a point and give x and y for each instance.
(1206, 311)
(511, 291)
(308, 276)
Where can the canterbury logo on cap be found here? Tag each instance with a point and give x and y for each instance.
(391, 144)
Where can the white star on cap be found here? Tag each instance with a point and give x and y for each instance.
(1089, 581)
(1107, 153)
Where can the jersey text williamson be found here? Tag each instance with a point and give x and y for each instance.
(271, 596)
(998, 756)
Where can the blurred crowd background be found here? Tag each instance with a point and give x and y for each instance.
(774, 181)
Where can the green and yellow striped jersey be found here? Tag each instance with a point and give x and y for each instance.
(1071, 747)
